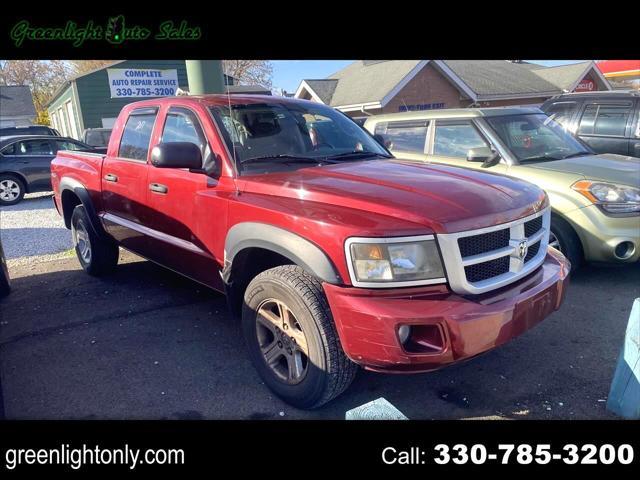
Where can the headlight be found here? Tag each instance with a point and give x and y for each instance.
(403, 261)
(611, 197)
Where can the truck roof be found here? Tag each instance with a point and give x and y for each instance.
(458, 113)
(220, 99)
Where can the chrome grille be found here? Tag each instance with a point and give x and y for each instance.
(481, 260)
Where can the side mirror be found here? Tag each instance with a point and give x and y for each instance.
(177, 155)
(480, 154)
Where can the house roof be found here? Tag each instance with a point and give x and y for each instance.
(16, 101)
(371, 82)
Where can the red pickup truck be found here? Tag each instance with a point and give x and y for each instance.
(332, 252)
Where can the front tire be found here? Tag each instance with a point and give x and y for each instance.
(565, 239)
(291, 338)
(97, 256)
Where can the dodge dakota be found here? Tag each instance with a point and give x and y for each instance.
(332, 253)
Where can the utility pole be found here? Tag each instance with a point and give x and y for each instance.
(205, 76)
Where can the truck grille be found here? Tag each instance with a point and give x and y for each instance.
(481, 260)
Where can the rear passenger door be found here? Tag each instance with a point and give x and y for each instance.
(606, 125)
(124, 182)
(405, 139)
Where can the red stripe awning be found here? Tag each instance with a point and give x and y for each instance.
(619, 67)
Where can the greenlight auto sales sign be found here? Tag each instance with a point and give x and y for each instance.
(142, 82)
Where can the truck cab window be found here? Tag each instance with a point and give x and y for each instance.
(137, 135)
(602, 119)
(182, 125)
(456, 139)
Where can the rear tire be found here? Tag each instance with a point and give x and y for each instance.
(97, 256)
(285, 314)
(565, 239)
(12, 190)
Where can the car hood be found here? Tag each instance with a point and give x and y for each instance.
(443, 198)
(605, 167)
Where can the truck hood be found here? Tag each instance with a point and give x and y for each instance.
(605, 167)
(443, 198)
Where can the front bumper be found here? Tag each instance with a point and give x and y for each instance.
(601, 234)
(367, 320)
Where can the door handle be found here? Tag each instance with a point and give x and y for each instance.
(110, 177)
(158, 188)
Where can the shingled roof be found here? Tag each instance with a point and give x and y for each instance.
(371, 82)
(16, 101)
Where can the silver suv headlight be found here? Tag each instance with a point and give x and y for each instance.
(613, 198)
(394, 262)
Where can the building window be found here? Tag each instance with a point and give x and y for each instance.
(455, 140)
(73, 129)
(408, 136)
(603, 119)
(63, 122)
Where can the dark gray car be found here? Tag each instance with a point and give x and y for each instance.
(25, 164)
(608, 121)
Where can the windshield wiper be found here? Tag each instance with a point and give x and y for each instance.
(356, 154)
(295, 158)
(578, 154)
(539, 159)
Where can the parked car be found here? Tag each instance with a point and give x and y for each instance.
(96, 137)
(608, 121)
(332, 253)
(595, 199)
(29, 130)
(25, 164)
(5, 282)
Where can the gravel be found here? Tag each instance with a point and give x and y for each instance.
(32, 231)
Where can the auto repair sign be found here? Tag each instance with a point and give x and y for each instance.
(142, 82)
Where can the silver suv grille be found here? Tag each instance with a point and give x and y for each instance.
(481, 260)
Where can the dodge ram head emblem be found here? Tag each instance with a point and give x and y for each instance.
(523, 248)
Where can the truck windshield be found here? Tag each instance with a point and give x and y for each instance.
(536, 138)
(260, 135)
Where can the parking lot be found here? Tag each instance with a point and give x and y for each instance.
(148, 343)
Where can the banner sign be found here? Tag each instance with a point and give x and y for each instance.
(140, 82)
(586, 85)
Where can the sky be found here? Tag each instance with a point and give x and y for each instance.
(287, 74)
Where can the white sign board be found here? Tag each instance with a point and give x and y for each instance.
(142, 82)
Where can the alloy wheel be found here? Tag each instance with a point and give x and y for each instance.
(554, 242)
(9, 190)
(81, 240)
(282, 342)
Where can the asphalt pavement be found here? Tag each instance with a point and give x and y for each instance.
(146, 343)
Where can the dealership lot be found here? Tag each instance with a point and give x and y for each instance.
(148, 343)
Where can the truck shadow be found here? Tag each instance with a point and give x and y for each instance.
(148, 343)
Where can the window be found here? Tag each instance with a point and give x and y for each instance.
(63, 122)
(134, 143)
(408, 136)
(29, 147)
(182, 125)
(270, 135)
(73, 130)
(602, 119)
(536, 137)
(67, 145)
(456, 139)
(562, 112)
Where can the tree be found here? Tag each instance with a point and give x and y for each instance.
(44, 77)
(250, 72)
(80, 67)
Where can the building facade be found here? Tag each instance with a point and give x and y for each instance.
(94, 99)
(16, 106)
(369, 87)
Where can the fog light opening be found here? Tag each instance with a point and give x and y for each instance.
(423, 339)
(403, 333)
(624, 250)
